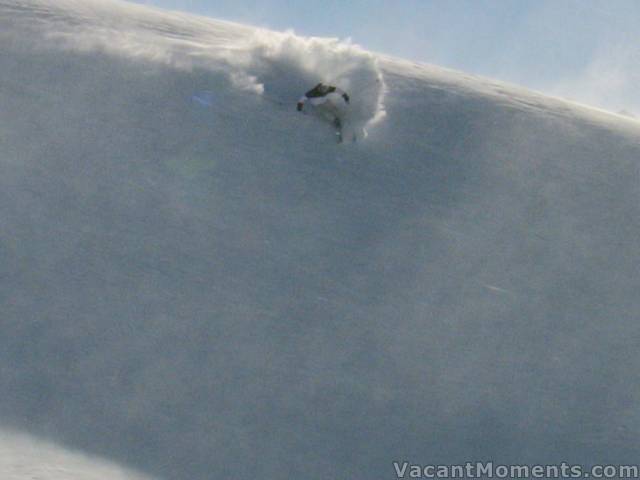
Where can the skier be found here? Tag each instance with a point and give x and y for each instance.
(324, 97)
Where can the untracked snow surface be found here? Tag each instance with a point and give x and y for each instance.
(24, 458)
(197, 282)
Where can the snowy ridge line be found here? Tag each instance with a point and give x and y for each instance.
(254, 60)
(218, 290)
(510, 94)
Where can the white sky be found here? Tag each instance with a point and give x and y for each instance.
(584, 50)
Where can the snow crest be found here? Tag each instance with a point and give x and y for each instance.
(280, 66)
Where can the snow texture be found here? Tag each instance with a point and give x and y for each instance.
(197, 282)
(24, 458)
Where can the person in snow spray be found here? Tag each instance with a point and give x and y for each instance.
(326, 99)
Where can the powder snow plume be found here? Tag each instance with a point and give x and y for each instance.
(198, 282)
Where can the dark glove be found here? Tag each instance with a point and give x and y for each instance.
(346, 97)
(299, 106)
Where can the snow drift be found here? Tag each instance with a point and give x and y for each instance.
(208, 289)
(22, 457)
(253, 60)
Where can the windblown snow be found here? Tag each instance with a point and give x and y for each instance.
(197, 282)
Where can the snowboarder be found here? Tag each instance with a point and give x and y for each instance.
(324, 97)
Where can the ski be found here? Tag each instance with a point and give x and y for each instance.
(338, 124)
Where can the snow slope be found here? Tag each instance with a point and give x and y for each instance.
(23, 458)
(218, 290)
